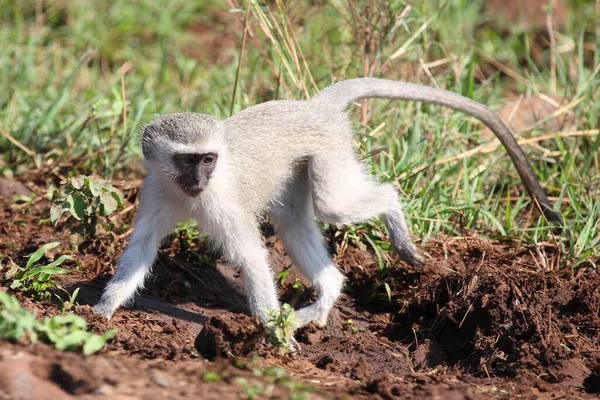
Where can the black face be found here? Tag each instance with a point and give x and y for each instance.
(194, 171)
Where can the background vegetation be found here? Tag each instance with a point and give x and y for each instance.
(78, 79)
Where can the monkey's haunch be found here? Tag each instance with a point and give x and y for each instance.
(341, 94)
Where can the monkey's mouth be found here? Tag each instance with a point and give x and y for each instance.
(192, 191)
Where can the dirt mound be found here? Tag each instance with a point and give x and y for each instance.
(491, 312)
(225, 335)
(144, 336)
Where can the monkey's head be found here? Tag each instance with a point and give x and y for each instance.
(185, 147)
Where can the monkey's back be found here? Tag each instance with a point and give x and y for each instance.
(267, 142)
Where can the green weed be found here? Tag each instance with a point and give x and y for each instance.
(35, 278)
(84, 199)
(281, 324)
(64, 332)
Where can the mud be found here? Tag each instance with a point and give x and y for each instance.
(483, 319)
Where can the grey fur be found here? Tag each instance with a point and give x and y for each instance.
(292, 159)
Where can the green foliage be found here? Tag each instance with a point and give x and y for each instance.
(16, 322)
(84, 199)
(253, 389)
(69, 332)
(281, 324)
(211, 376)
(78, 85)
(272, 376)
(282, 276)
(350, 324)
(36, 278)
(187, 232)
(67, 305)
(64, 332)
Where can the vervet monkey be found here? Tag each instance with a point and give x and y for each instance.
(292, 159)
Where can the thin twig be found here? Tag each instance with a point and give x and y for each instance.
(508, 71)
(552, 53)
(20, 146)
(239, 67)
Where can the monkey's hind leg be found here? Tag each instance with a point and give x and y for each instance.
(154, 221)
(293, 220)
(344, 194)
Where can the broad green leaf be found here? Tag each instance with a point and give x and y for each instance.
(96, 342)
(77, 182)
(46, 269)
(388, 291)
(58, 261)
(74, 295)
(93, 344)
(39, 253)
(78, 206)
(42, 277)
(109, 334)
(73, 319)
(16, 284)
(94, 188)
(55, 213)
(109, 203)
(118, 196)
(72, 339)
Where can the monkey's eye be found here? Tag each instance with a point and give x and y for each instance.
(189, 160)
(208, 160)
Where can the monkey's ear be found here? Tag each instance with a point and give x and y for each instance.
(148, 141)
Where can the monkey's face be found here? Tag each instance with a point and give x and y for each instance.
(194, 171)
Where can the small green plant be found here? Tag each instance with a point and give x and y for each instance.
(24, 202)
(16, 322)
(187, 233)
(67, 305)
(281, 324)
(36, 278)
(64, 332)
(211, 376)
(281, 277)
(271, 377)
(350, 324)
(254, 389)
(84, 199)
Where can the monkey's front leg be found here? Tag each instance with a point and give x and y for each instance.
(153, 223)
(259, 283)
(243, 245)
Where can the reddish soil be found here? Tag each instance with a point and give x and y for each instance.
(484, 319)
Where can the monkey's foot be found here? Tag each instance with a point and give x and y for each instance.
(314, 313)
(103, 309)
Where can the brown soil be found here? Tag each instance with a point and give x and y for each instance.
(484, 319)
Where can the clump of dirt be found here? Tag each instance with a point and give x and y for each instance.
(226, 335)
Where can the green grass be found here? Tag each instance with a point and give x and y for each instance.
(78, 81)
(64, 332)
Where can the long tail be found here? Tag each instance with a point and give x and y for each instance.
(341, 94)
